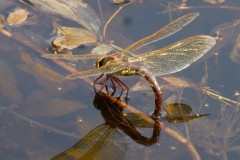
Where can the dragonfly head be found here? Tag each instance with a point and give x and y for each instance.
(103, 61)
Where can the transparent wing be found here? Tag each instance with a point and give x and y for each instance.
(106, 69)
(176, 56)
(71, 56)
(103, 142)
(100, 50)
(164, 32)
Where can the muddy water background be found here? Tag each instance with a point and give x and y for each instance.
(43, 114)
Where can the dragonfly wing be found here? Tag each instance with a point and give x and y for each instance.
(106, 69)
(176, 56)
(139, 120)
(100, 50)
(103, 142)
(71, 56)
(164, 32)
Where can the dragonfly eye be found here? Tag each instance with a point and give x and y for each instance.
(100, 62)
(103, 61)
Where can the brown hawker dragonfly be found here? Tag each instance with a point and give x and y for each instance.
(170, 59)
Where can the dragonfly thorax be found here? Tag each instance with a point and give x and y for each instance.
(105, 60)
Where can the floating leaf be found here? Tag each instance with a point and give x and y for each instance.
(17, 17)
(73, 37)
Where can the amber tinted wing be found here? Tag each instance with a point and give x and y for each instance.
(103, 142)
(176, 56)
(164, 32)
(140, 120)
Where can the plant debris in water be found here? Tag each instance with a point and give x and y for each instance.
(71, 38)
(17, 17)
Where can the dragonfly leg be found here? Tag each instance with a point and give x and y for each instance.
(122, 85)
(96, 81)
(102, 83)
(114, 86)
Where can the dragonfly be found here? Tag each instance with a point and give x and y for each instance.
(106, 142)
(167, 60)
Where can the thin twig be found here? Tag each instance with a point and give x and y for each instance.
(113, 16)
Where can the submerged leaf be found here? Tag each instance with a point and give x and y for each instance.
(17, 17)
(184, 118)
(177, 109)
(178, 113)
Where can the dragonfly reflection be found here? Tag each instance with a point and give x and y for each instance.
(170, 59)
(106, 142)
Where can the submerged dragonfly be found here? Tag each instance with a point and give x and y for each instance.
(106, 142)
(170, 59)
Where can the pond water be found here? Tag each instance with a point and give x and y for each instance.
(43, 114)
